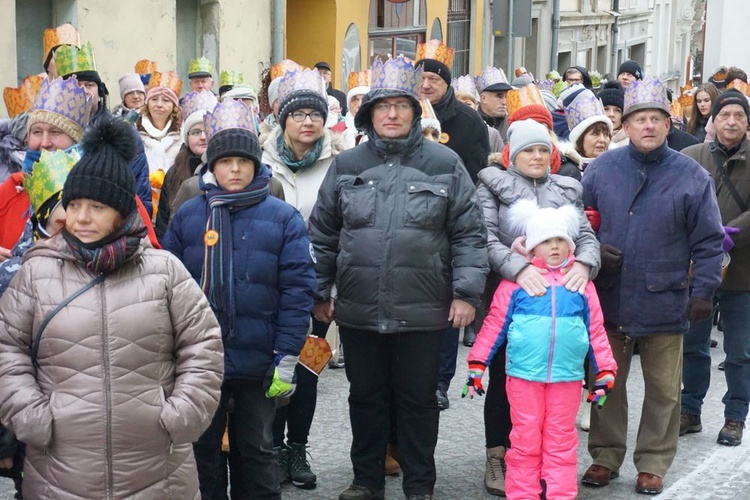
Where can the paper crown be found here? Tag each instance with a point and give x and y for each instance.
(648, 93)
(200, 67)
(170, 79)
(558, 87)
(526, 95)
(396, 74)
(428, 112)
(676, 109)
(308, 80)
(283, 67)
(70, 59)
(739, 85)
(196, 101)
(18, 100)
(228, 114)
(491, 76)
(553, 75)
(583, 107)
(466, 84)
(230, 78)
(686, 100)
(437, 50)
(65, 98)
(145, 67)
(359, 79)
(546, 85)
(65, 34)
(48, 175)
(596, 78)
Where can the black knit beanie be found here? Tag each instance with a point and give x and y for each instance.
(103, 173)
(435, 66)
(631, 67)
(612, 94)
(731, 96)
(302, 99)
(233, 142)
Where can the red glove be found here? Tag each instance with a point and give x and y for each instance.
(473, 383)
(594, 218)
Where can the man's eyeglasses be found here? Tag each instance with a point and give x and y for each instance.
(315, 116)
(384, 107)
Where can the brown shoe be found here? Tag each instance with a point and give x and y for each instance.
(598, 475)
(392, 467)
(649, 484)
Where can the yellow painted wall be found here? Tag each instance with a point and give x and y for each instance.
(310, 31)
(348, 12)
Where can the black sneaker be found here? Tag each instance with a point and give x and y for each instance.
(731, 433)
(299, 467)
(282, 458)
(442, 399)
(721, 366)
(690, 423)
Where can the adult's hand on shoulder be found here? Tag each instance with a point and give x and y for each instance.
(576, 277)
(462, 313)
(531, 280)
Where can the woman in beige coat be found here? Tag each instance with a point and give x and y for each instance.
(109, 391)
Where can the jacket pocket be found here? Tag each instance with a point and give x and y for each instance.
(358, 204)
(426, 204)
(663, 281)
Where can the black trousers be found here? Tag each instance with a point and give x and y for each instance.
(296, 417)
(497, 423)
(404, 367)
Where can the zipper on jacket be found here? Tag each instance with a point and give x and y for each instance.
(552, 333)
(107, 396)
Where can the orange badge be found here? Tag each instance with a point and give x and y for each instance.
(444, 138)
(211, 238)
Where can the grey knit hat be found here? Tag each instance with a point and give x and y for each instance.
(525, 133)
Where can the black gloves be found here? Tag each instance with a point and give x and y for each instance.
(699, 309)
(611, 259)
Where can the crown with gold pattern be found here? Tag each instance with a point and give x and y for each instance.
(525, 96)
(396, 74)
(493, 80)
(308, 80)
(465, 84)
(70, 59)
(197, 101)
(283, 67)
(739, 85)
(676, 109)
(169, 79)
(686, 100)
(65, 34)
(546, 85)
(228, 114)
(48, 175)
(200, 68)
(585, 110)
(230, 78)
(145, 67)
(648, 93)
(18, 100)
(437, 50)
(359, 79)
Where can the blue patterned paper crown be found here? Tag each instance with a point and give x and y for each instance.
(648, 93)
(492, 76)
(196, 101)
(228, 114)
(65, 98)
(308, 80)
(546, 85)
(465, 84)
(396, 74)
(585, 110)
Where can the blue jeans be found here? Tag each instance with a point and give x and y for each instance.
(734, 308)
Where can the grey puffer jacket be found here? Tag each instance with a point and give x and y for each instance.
(398, 228)
(129, 376)
(498, 189)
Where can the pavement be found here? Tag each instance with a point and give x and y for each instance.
(702, 469)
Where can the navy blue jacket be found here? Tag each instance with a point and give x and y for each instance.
(660, 210)
(139, 165)
(273, 275)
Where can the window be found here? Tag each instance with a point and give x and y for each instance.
(396, 28)
(32, 18)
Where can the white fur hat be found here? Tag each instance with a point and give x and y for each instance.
(540, 224)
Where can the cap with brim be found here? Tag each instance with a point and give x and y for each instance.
(199, 74)
(497, 87)
(322, 65)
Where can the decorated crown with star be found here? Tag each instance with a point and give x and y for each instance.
(396, 74)
(70, 59)
(20, 99)
(229, 114)
(48, 175)
(196, 101)
(308, 80)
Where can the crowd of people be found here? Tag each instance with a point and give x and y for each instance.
(164, 267)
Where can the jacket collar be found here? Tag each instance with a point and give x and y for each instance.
(654, 156)
(490, 120)
(445, 109)
(729, 152)
(398, 147)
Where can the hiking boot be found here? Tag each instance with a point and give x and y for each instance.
(299, 467)
(392, 467)
(598, 475)
(357, 492)
(282, 458)
(442, 399)
(690, 423)
(494, 473)
(731, 433)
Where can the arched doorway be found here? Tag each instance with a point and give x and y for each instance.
(351, 54)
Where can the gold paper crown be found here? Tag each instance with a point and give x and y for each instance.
(686, 100)
(48, 175)
(70, 59)
(169, 79)
(283, 67)
(230, 78)
(739, 85)
(427, 110)
(676, 109)
(200, 66)
(145, 67)
(18, 100)
(437, 50)
(65, 34)
(359, 79)
(526, 95)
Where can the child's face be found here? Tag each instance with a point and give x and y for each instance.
(553, 251)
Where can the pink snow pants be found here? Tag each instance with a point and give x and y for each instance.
(543, 440)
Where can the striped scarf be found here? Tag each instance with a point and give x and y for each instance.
(113, 250)
(218, 265)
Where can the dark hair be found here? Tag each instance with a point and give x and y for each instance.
(735, 73)
(596, 128)
(695, 115)
(182, 169)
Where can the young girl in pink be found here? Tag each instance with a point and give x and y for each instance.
(548, 338)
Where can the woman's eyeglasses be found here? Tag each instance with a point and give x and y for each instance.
(315, 116)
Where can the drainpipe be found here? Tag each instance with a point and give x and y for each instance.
(277, 32)
(555, 34)
(509, 66)
(615, 31)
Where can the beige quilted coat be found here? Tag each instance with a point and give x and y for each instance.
(129, 376)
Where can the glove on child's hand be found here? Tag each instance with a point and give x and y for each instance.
(284, 381)
(605, 381)
(473, 383)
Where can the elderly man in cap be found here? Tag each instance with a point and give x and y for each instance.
(493, 88)
(726, 160)
(325, 71)
(658, 214)
(398, 228)
(200, 75)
